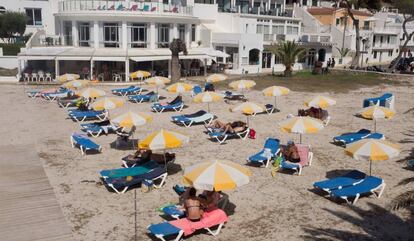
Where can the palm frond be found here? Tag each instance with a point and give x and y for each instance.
(404, 200)
(406, 181)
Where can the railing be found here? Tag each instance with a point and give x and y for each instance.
(257, 11)
(313, 38)
(122, 7)
(274, 37)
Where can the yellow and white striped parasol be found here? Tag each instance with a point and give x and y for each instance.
(216, 78)
(301, 125)
(275, 91)
(158, 81)
(163, 139)
(108, 103)
(242, 84)
(207, 97)
(372, 150)
(140, 74)
(76, 83)
(216, 175)
(91, 93)
(320, 102)
(67, 77)
(130, 119)
(179, 87)
(249, 108)
(375, 112)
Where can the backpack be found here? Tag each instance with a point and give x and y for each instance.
(252, 134)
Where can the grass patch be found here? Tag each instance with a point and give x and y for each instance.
(305, 81)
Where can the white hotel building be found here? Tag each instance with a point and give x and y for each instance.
(124, 36)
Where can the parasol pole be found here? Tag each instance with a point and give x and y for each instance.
(135, 205)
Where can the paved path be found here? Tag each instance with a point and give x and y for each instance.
(28, 206)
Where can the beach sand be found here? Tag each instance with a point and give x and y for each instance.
(283, 207)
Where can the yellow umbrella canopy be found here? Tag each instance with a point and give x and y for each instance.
(216, 175)
(163, 139)
(179, 87)
(242, 84)
(372, 150)
(301, 125)
(320, 102)
(274, 91)
(76, 84)
(158, 81)
(139, 74)
(67, 77)
(90, 93)
(249, 108)
(216, 78)
(207, 97)
(108, 103)
(375, 112)
(130, 119)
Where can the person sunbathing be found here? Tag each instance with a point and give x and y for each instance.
(317, 113)
(291, 153)
(230, 127)
(192, 206)
(209, 200)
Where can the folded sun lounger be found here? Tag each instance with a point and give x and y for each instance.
(269, 151)
(122, 184)
(131, 90)
(228, 95)
(369, 185)
(306, 157)
(348, 138)
(143, 97)
(84, 143)
(177, 105)
(222, 136)
(185, 227)
(200, 117)
(349, 179)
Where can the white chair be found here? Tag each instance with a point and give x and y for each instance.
(26, 77)
(41, 76)
(48, 77)
(116, 77)
(34, 77)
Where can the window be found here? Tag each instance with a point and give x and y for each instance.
(67, 28)
(163, 35)
(374, 40)
(382, 39)
(278, 60)
(266, 29)
(388, 39)
(295, 30)
(259, 28)
(193, 32)
(111, 35)
(84, 34)
(181, 32)
(278, 29)
(337, 21)
(390, 53)
(375, 54)
(138, 35)
(366, 25)
(291, 30)
(34, 16)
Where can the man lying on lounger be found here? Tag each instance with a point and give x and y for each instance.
(290, 152)
(317, 113)
(230, 127)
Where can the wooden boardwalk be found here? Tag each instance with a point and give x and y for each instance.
(28, 206)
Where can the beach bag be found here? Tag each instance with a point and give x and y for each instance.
(252, 134)
(147, 185)
(276, 165)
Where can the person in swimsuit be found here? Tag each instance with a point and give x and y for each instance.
(230, 127)
(192, 206)
(291, 152)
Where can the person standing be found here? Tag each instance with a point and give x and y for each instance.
(328, 64)
(333, 63)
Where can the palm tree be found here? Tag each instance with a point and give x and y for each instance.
(176, 46)
(288, 52)
(406, 199)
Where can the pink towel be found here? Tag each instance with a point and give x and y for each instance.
(303, 151)
(209, 219)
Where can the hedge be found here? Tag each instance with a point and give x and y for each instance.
(11, 49)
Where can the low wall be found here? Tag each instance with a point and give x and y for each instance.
(8, 62)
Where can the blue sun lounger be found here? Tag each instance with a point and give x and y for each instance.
(369, 185)
(131, 90)
(348, 138)
(122, 184)
(200, 117)
(177, 105)
(222, 136)
(386, 100)
(97, 128)
(84, 143)
(270, 150)
(349, 179)
(143, 98)
(411, 163)
(132, 171)
(81, 116)
(54, 96)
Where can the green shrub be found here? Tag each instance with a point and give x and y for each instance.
(11, 49)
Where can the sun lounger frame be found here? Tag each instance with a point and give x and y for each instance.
(100, 117)
(222, 138)
(376, 191)
(160, 108)
(163, 177)
(181, 233)
(82, 148)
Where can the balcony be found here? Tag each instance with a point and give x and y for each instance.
(122, 7)
(315, 38)
(256, 11)
(274, 38)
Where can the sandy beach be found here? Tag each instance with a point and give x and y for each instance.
(283, 207)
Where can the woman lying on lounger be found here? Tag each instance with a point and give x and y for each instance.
(230, 127)
(290, 152)
(192, 206)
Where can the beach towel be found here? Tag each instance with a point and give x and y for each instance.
(303, 151)
(209, 219)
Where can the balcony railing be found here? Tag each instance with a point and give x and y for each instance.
(312, 38)
(256, 11)
(123, 7)
(274, 37)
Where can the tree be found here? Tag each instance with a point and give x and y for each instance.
(406, 7)
(406, 199)
(12, 24)
(176, 46)
(348, 4)
(288, 52)
(343, 52)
